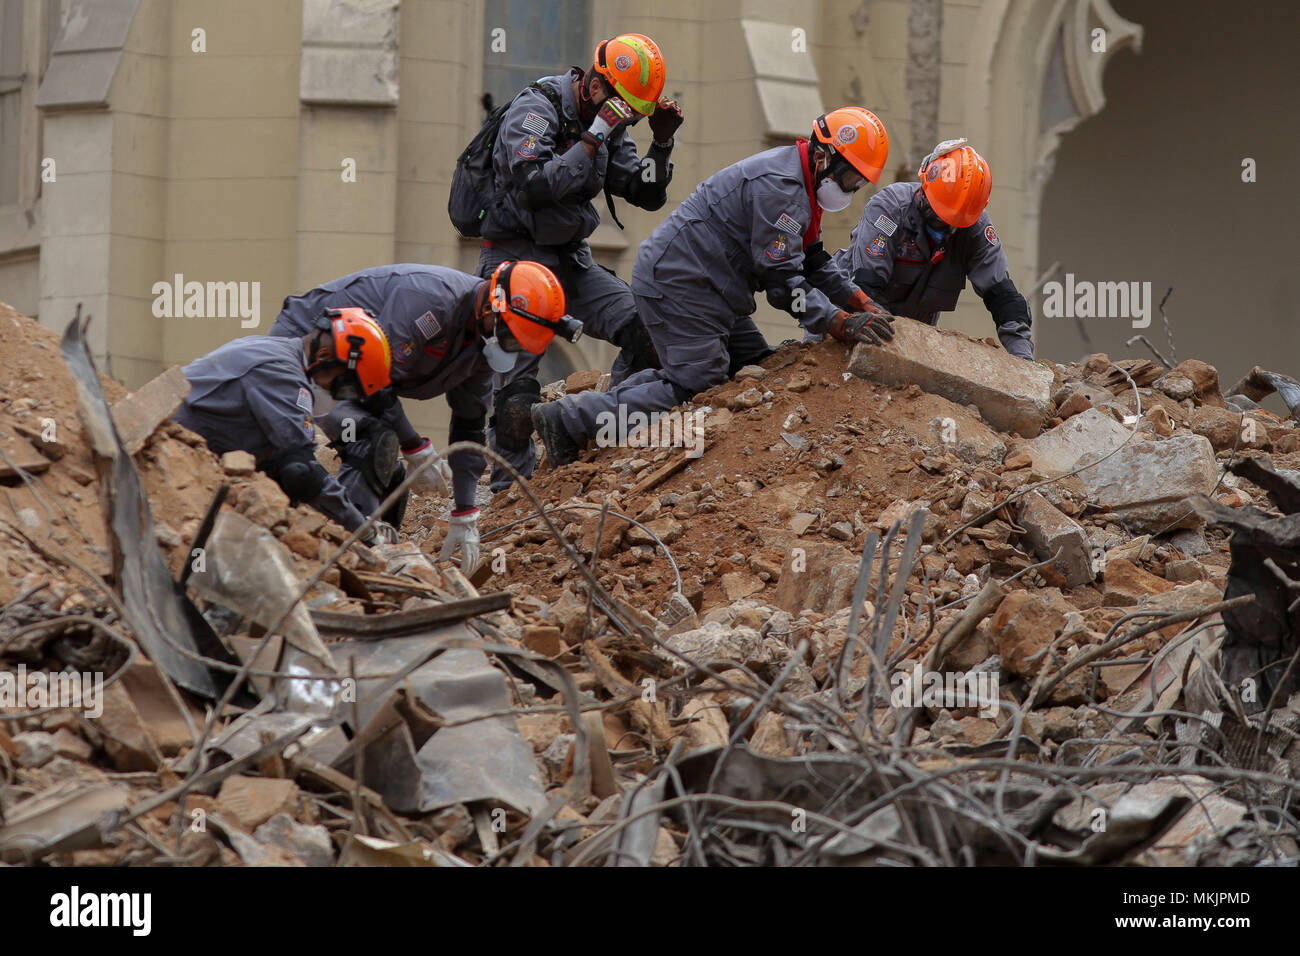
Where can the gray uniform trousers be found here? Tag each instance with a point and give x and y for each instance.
(698, 351)
(597, 298)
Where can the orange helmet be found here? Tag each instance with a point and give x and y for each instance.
(633, 65)
(956, 181)
(528, 297)
(359, 345)
(858, 136)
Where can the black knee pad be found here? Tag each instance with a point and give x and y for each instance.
(301, 480)
(512, 421)
(374, 455)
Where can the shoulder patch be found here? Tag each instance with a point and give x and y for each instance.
(876, 247)
(786, 224)
(778, 249)
(428, 325)
(528, 148)
(885, 224)
(307, 427)
(536, 124)
(304, 399)
(991, 236)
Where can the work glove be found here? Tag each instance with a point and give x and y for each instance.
(434, 480)
(612, 116)
(873, 328)
(665, 121)
(381, 532)
(859, 301)
(462, 534)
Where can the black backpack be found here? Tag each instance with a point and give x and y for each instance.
(473, 188)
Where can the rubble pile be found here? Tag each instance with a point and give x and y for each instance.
(924, 604)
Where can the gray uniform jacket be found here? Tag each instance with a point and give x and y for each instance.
(741, 231)
(889, 250)
(546, 181)
(252, 394)
(427, 312)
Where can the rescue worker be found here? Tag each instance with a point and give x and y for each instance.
(754, 225)
(258, 394)
(549, 164)
(916, 245)
(449, 332)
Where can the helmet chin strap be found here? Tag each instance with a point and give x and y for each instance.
(483, 308)
(931, 218)
(312, 362)
(586, 108)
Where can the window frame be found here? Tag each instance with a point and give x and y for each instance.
(19, 219)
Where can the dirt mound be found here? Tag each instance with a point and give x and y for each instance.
(52, 517)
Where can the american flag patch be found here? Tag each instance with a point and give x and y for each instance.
(304, 399)
(786, 224)
(428, 325)
(536, 125)
(886, 225)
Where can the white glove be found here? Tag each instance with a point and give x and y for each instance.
(434, 480)
(381, 532)
(462, 534)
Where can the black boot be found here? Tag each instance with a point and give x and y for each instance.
(383, 455)
(561, 449)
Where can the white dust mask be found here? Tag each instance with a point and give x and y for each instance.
(498, 359)
(831, 197)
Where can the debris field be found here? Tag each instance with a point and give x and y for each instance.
(923, 604)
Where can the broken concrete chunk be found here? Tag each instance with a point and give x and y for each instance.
(141, 412)
(583, 381)
(1011, 393)
(1126, 585)
(1204, 378)
(817, 577)
(238, 463)
(1050, 530)
(975, 504)
(1079, 397)
(62, 818)
(1024, 625)
(128, 740)
(1146, 484)
(801, 521)
(900, 511)
(35, 748)
(740, 584)
(254, 800)
(311, 844)
(715, 641)
(749, 398)
(1226, 429)
(705, 725)
(668, 529)
(1176, 385)
(543, 639)
(1092, 432)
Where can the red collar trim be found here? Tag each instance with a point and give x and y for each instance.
(815, 220)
